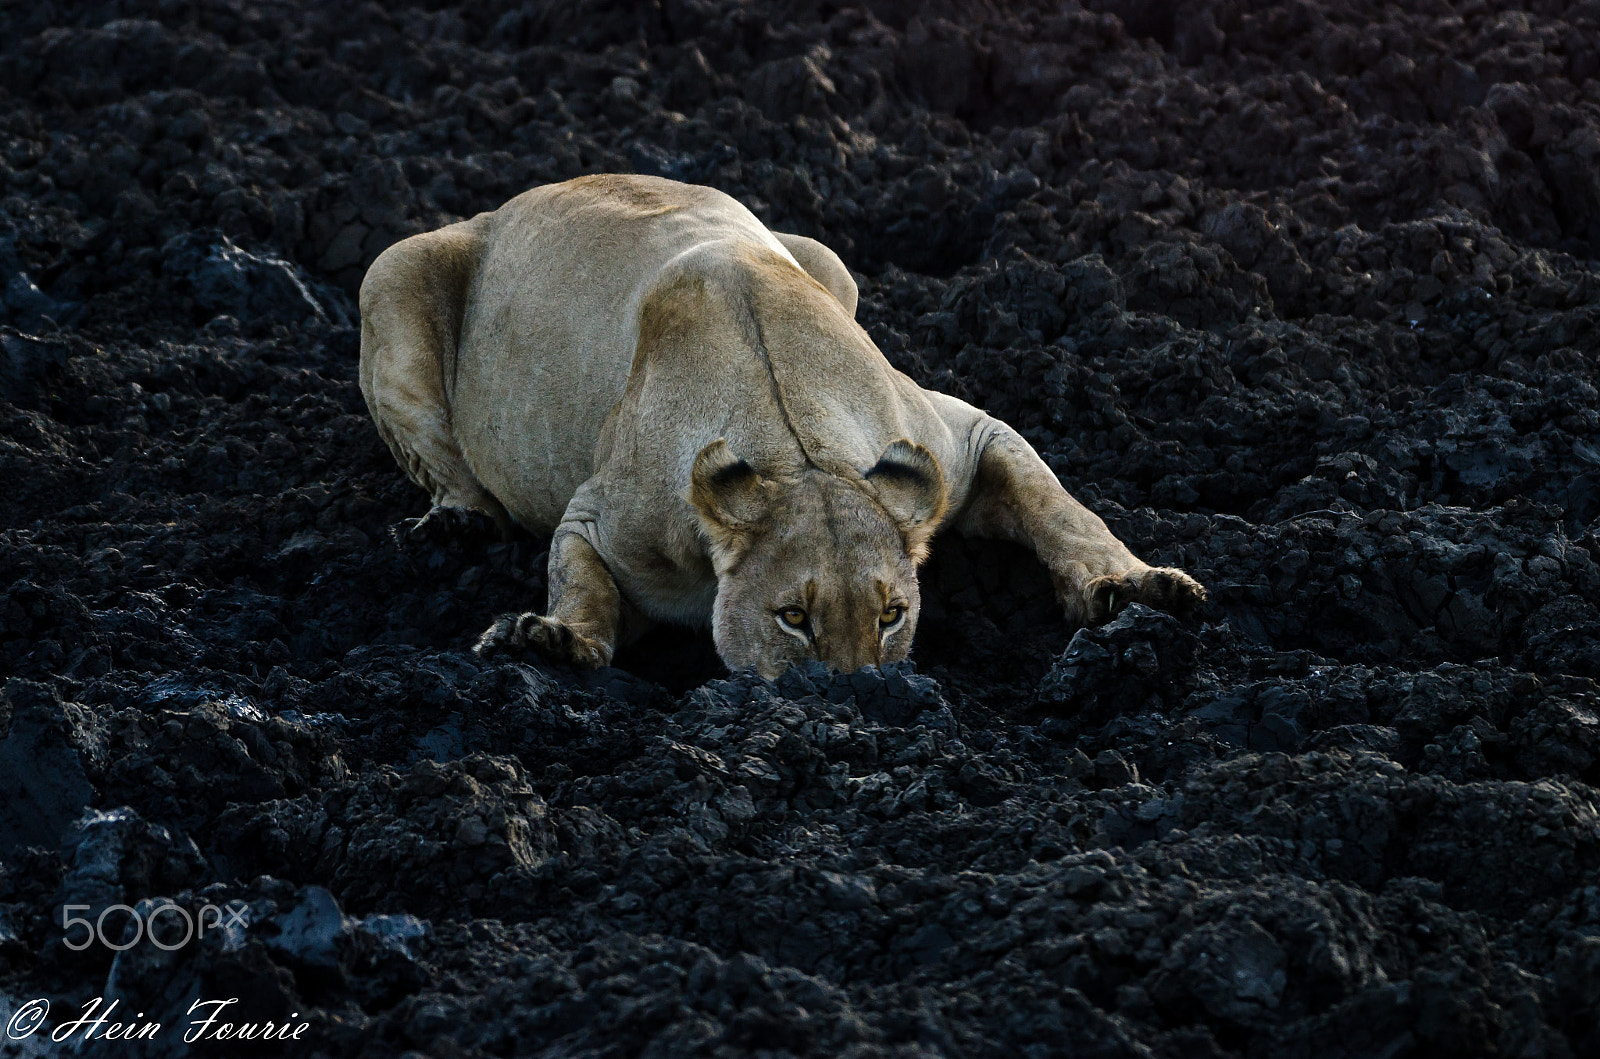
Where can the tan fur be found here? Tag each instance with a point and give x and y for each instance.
(685, 401)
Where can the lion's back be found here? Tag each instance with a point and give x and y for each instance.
(551, 323)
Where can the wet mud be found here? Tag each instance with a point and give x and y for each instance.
(1300, 297)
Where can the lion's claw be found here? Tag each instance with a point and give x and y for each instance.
(445, 525)
(1161, 587)
(517, 633)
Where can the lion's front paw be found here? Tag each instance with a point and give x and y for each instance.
(1161, 587)
(555, 640)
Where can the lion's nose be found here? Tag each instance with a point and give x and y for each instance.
(851, 657)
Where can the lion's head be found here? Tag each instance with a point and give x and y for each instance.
(817, 566)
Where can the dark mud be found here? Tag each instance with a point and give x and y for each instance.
(1301, 297)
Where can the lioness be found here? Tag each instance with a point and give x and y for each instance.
(685, 399)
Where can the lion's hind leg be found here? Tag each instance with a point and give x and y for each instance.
(411, 306)
(824, 266)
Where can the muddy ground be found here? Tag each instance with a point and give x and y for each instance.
(1302, 297)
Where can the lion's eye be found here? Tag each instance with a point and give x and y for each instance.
(890, 615)
(794, 617)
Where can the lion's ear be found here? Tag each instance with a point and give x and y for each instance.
(910, 486)
(733, 500)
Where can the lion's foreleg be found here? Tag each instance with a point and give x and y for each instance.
(585, 610)
(1017, 497)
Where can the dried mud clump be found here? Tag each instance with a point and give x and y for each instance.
(1300, 297)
